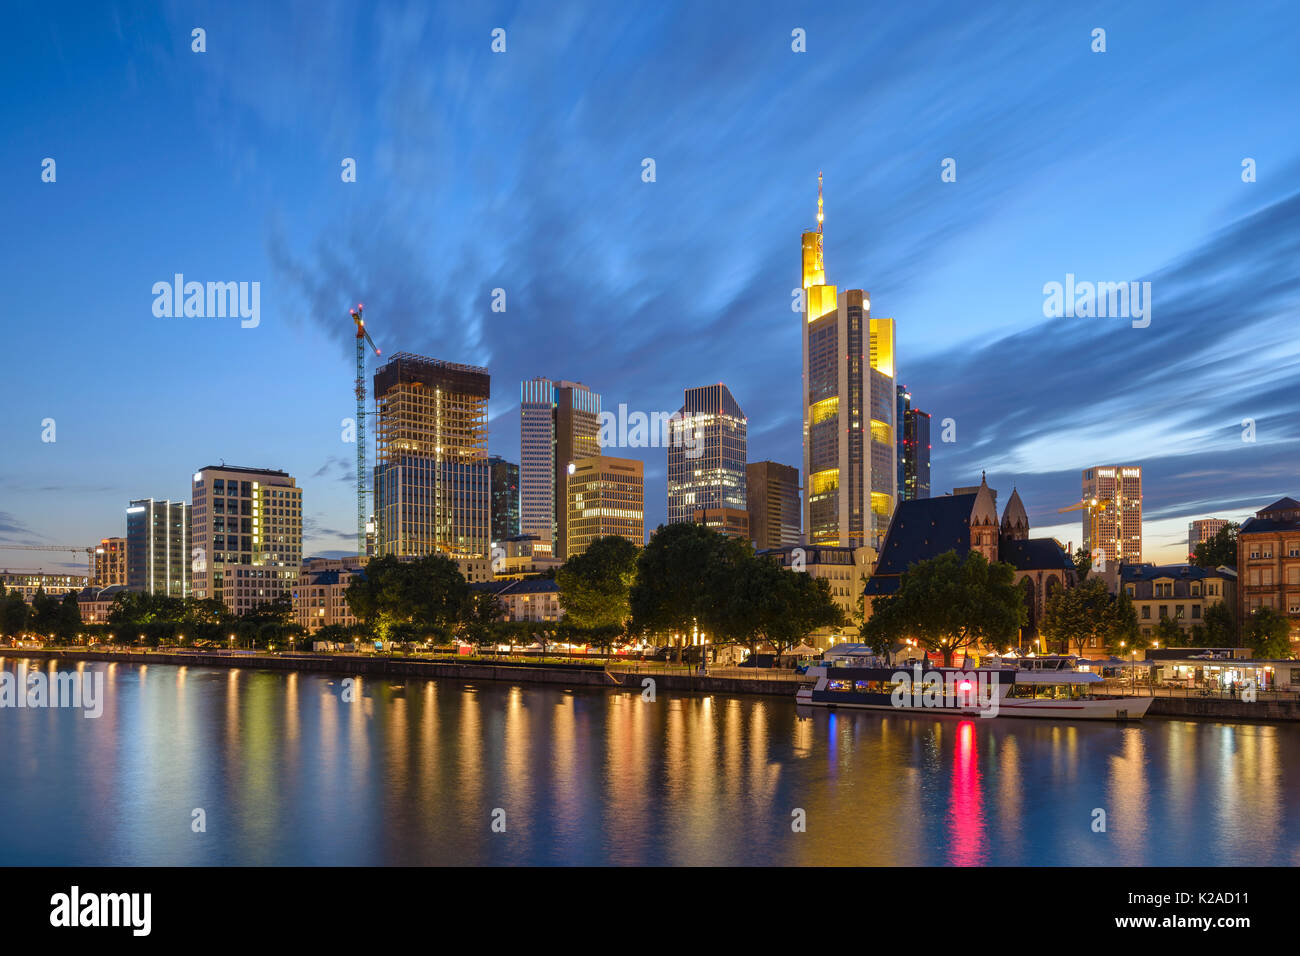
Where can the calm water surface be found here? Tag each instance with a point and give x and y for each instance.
(288, 773)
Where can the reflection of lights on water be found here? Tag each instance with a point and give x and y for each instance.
(966, 816)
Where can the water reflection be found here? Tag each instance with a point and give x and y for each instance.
(303, 768)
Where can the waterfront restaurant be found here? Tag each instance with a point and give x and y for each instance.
(1220, 673)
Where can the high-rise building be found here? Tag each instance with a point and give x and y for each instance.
(1112, 512)
(505, 499)
(849, 415)
(247, 535)
(559, 423)
(1203, 529)
(606, 496)
(432, 483)
(158, 541)
(913, 448)
(707, 449)
(772, 495)
(729, 521)
(108, 563)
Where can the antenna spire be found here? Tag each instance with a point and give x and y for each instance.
(820, 214)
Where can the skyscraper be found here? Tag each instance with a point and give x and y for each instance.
(707, 448)
(158, 547)
(1112, 512)
(559, 423)
(247, 535)
(772, 492)
(432, 483)
(605, 496)
(108, 564)
(1203, 529)
(913, 449)
(849, 415)
(505, 498)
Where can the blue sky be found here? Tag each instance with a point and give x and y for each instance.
(522, 171)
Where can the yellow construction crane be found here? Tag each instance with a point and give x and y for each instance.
(1095, 507)
(89, 552)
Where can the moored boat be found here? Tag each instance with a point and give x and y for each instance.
(1056, 691)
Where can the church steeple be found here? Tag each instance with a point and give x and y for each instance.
(1015, 520)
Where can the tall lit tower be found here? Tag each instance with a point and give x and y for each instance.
(849, 418)
(1112, 514)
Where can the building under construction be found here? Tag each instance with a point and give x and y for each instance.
(432, 478)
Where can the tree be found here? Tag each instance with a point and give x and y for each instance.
(678, 576)
(1082, 563)
(595, 585)
(1219, 550)
(1088, 615)
(45, 614)
(14, 614)
(483, 612)
(949, 603)
(802, 604)
(1220, 626)
(429, 593)
(1268, 634)
(1168, 633)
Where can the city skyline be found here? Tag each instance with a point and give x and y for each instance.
(960, 265)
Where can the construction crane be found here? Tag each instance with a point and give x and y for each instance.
(89, 552)
(1095, 507)
(363, 340)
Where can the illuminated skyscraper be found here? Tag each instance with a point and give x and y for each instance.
(913, 449)
(158, 547)
(849, 416)
(1203, 529)
(108, 564)
(505, 499)
(707, 448)
(432, 483)
(1112, 512)
(605, 496)
(559, 423)
(247, 535)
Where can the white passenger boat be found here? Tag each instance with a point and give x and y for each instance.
(1049, 689)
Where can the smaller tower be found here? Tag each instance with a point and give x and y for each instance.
(1015, 521)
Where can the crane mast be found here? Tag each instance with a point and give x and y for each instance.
(363, 340)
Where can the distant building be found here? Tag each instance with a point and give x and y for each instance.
(532, 599)
(845, 569)
(913, 449)
(108, 564)
(772, 496)
(27, 583)
(505, 498)
(159, 547)
(606, 496)
(850, 439)
(96, 603)
(559, 423)
(1112, 514)
(729, 521)
(517, 557)
(432, 485)
(707, 448)
(965, 521)
(1268, 563)
(1179, 591)
(247, 535)
(319, 597)
(1203, 529)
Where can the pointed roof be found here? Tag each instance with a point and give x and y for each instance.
(1014, 514)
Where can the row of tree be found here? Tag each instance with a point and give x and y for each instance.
(688, 579)
(50, 616)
